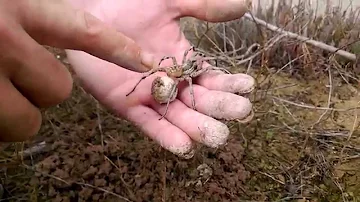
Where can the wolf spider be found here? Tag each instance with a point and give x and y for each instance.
(188, 70)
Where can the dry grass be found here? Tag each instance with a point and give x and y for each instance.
(302, 144)
(306, 129)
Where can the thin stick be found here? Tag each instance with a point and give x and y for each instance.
(132, 195)
(272, 177)
(332, 49)
(329, 98)
(314, 107)
(279, 87)
(355, 126)
(104, 190)
(78, 183)
(39, 147)
(99, 124)
(224, 36)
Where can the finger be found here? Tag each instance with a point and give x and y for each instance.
(162, 131)
(216, 79)
(233, 83)
(201, 128)
(42, 79)
(56, 23)
(217, 104)
(19, 119)
(214, 10)
(133, 109)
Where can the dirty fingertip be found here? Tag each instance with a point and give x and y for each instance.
(236, 83)
(185, 151)
(245, 85)
(225, 106)
(214, 133)
(233, 83)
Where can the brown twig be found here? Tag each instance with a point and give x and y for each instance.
(103, 190)
(324, 46)
(329, 97)
(132, 195)
(272, 177)
(355, 126)
(99, 123)
(313, 107)
(78, 183)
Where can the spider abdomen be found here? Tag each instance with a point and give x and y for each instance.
(161, 89)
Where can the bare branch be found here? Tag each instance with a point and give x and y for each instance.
(345, 54)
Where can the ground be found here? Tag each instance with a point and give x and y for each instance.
(290, 151)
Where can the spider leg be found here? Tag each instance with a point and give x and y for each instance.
(168, 57)
(205, 59)
(173, 90)
(195, 65)
(186, 53)
(152, 71)
(189, 80)
(201, 62)
(204, 69)
(219, 68)
(198, 72)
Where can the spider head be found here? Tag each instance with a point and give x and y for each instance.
(175, 71)
(192, 64)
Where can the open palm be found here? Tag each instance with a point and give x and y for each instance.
(154, 25)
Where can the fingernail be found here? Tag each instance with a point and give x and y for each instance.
(248, 118)
(147, 59)
(247, 86)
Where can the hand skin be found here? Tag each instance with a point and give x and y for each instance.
(154, 25)
(30, 77)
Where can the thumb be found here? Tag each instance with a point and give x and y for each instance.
(57, 23)
(214, 10)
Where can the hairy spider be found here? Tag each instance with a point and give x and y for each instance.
(188, 70)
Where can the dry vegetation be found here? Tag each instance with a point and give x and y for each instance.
(303, 144)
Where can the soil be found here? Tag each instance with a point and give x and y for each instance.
(83, 162)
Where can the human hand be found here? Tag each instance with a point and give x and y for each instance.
(153, 24)
(30, 77)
